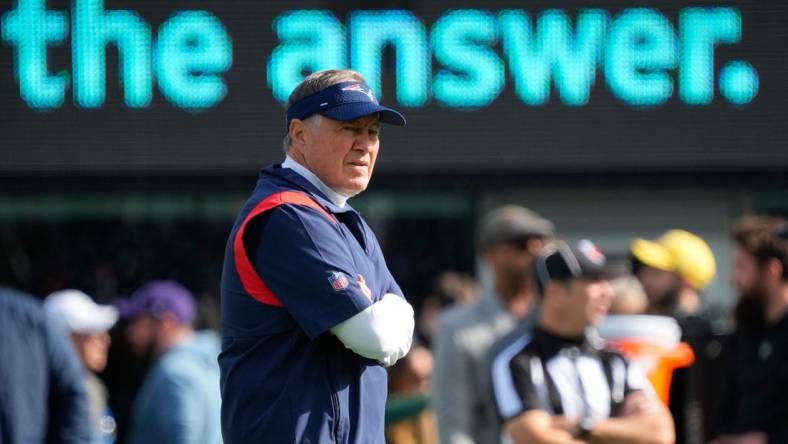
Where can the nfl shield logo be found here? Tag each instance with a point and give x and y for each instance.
(337, 280)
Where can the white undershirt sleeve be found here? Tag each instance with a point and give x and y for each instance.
(383, 331)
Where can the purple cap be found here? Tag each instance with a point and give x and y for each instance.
(158, 298)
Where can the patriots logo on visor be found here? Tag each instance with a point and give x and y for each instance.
(362, 89)
(338, 280)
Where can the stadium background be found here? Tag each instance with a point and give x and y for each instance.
(103, 194)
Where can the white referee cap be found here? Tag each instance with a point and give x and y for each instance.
(80, 313)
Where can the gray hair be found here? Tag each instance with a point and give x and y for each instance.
(312, 84)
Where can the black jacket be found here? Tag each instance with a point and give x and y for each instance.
(760, 382)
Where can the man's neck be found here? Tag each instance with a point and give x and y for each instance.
(557, 326)
(335, 197)
(777, 306)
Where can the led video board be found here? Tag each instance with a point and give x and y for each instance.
(102, 86)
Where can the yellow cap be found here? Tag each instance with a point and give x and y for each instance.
(681, 252)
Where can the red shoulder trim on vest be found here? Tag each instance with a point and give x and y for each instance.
(250, 280)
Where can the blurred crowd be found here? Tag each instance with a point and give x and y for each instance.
(533, 291)
(54, 352)
(723, 387)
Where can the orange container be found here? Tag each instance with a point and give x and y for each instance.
(657, 360)
(652, 342)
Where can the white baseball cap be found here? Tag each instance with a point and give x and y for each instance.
(81, 314)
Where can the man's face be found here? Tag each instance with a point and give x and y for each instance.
(750, 283)
(141, 334)
(341, 154)
(592, 297)
(661, 287)
(419, 370)
(511, 260)
(93, 349)
(745, 275)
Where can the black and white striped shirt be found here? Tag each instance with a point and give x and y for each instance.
(563, 376)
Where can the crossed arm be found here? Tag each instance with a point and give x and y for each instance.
(383, 331)
(644, 421)
(380, 330)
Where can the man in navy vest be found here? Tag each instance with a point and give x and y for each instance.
(310, 313)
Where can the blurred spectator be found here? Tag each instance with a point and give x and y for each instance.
(42, 389)
(179, 400)
(673, 270)
(508, 240)
(89, 324)
(753, 235)
(757, 412)
(408, 418)
(448, 288)
(557, 385)
(628, 296)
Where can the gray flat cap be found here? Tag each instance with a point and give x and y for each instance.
(512, 222)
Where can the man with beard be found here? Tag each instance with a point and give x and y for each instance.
(757, 412)
(673, 270)
(179, 400)
(509, 239)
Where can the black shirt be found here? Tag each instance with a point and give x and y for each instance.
(695, 391)
(760, 375)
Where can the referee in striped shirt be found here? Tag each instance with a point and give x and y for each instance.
(555, 384)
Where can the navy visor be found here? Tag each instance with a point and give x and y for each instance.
(343, 101)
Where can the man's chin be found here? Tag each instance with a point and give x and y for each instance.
(354, 187)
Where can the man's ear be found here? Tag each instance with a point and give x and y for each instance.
(774, 268)
(535, 245)
(297, 132)
(568, 286)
